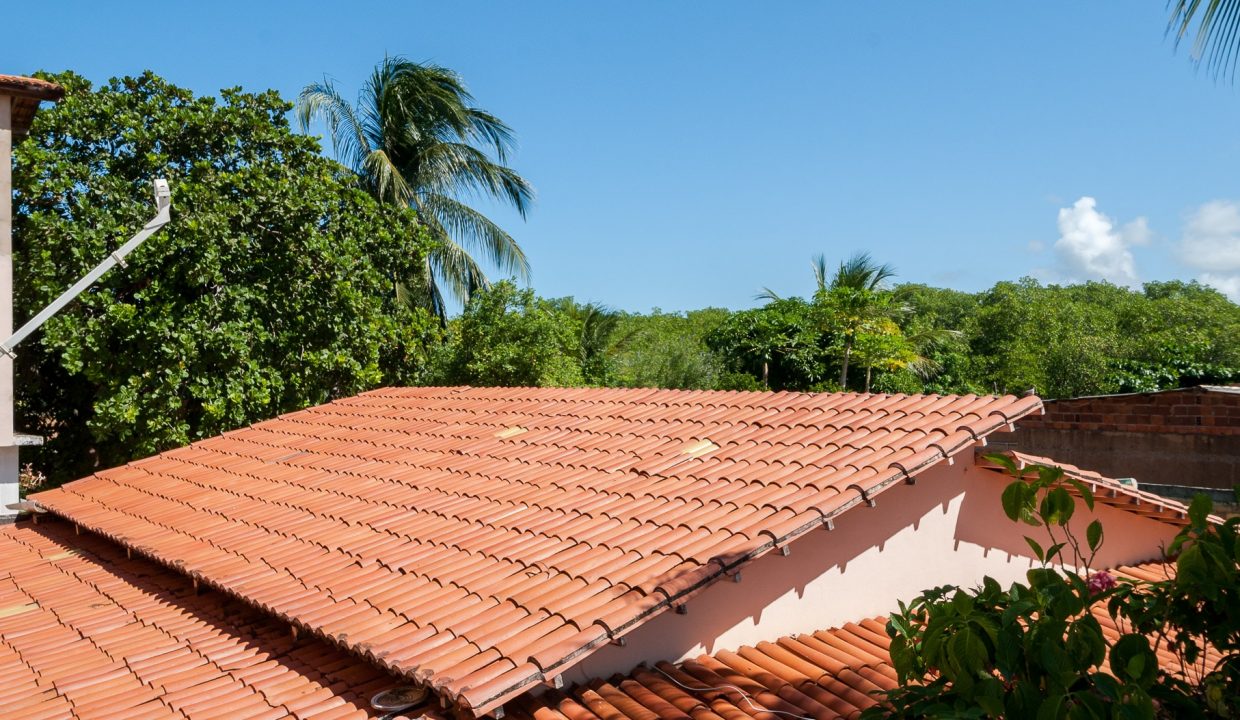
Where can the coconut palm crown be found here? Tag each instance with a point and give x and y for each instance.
(415, 138)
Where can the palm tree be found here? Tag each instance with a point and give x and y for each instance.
(819, 265)
(414, 138)
(853, 298)
(1218, 31)
(858, 272)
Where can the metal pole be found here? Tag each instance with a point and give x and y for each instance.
(9, 466)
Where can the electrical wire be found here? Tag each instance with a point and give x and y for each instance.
(744, 696)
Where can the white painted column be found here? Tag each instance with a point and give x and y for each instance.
(9, 464)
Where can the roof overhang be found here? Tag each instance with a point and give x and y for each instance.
(27, 93)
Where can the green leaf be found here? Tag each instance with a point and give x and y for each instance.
(1199, 510)
(1086, 494)
(1093, 535)
(1037, 549)
(1014, 498)
(1132, 656)
(1058, 506)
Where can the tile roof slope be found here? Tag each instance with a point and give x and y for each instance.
(87, 633)
(483, 540)
(823, 675)
(1107, 491)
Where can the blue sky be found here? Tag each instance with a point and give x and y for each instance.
(689, 154)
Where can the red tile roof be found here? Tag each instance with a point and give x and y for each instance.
(1106, 490)
(87, 633)
(483, 540)
(27, 93)
(30, 87)
(822, 675)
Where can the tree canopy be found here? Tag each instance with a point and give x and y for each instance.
(273, 287)
(509, 336)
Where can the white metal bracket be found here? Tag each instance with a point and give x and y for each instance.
(163, 202)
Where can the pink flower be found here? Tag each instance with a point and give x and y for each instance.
(1100, 582)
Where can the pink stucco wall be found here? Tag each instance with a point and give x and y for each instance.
(948, 528)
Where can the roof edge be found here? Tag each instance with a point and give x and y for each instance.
(30, 87)
(1107, 491)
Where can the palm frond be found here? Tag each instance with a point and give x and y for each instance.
(767, 294)
(493, 132)
(819, 263)
(321, 100)
(387, 183)
(421, 291)
(860, 272)
(474, 229)
(1218, 32)
(448, 167)
(455, 269)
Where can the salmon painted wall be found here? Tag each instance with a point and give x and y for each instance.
(948, 528)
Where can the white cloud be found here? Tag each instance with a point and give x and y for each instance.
(1229, 285)
(1091, 248)
(1211, 243)
(1137, 232)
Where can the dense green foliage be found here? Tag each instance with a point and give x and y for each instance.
(1036, 650)
(667, 350)
(271, 289)
(1085, 339)
(415, 139)
(508, 336)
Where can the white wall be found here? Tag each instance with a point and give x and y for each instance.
(948, 528)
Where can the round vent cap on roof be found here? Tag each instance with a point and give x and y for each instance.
(398, 698)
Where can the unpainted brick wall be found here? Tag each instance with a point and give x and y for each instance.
(1189, 437)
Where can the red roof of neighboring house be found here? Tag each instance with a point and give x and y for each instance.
(483, 540)
(27, 93)
(819, 676)
(87, 633)
(30, 87)
(1107, 491)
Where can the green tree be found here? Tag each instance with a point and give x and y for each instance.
(600, 338)
(1036, 650)
(270, 290)
(854, 303)
(509, 337)
(415, 138)
(668, 350)
(781, 344)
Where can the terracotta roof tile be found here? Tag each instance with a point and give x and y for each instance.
(103, 636)
(432, 528)
(823, 675)
(1108, 491)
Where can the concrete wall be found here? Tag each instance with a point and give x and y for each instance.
(1185, 437)
(948, 528)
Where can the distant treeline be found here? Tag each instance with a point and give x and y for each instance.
(1061, 341)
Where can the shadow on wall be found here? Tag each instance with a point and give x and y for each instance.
(830, 577)
(1128, 538)
(947, 529)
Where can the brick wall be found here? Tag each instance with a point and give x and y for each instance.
(1193, 410)
(1187, 438)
